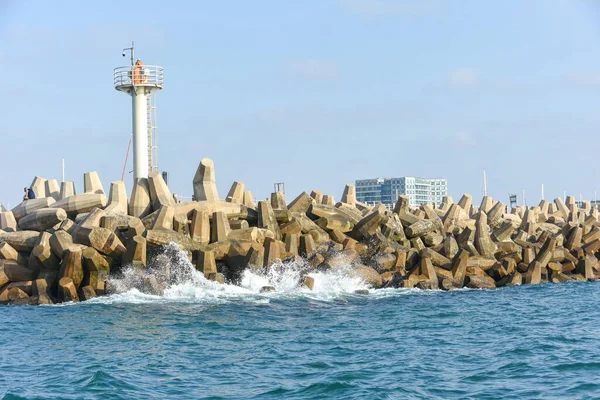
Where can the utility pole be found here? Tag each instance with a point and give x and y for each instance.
(484, 184)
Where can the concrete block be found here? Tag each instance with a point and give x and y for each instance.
(349, 195)
(483, 242)
(20, 240)
(162, 237)
(206, 263)
(255, 258)
(574, 238)
(67, 189)
(233, 210)
(452, 218)
(42, 219)
(28, 206)
(164, 218)
(200, 227)
(236, 193)
(335, 222)
(266, 218)
(433, 216)
(309, 226)
(317, 195)
(160, 195)
(238, 224)
(139, 201)
(420, 228)
(307, 246)
(278, 201)
(8, 223)
(180, 224)
(249, 200)
(11, 271)
(291, 241)
(81, 203)
(328, 200)
(480, 282)
(52, 189)
(41, 257)
(117, 198)
(86, 293)
(219, 227)
(205, 186)
(136, 252)
(562, 208)
(301, 203)
(368, 226)
(465, 202)
(533, 276)
(7, 252)
(96, 270)
(350, 212)
(402, 204)
(72, 267)
(272, 253)
(92, 183)
(39, 187)
(60, 241)
(486, 204)
(102, 239)
(67, 290)
(92, 219)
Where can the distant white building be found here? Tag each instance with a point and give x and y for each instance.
(386, 191)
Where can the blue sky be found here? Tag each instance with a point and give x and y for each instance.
(312, 93)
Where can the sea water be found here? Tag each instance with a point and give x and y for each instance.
(204, 340)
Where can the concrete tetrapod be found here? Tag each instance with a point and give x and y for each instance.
(28, 206)
(205, 186)
(42, 219)
(81, 203)
(139, 203)
(20, 240)
(7, 221)
(53, 189)
(160, 195)
(67, 189)
(92, 183)
(117, 198)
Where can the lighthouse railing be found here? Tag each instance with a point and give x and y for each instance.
(147, 75)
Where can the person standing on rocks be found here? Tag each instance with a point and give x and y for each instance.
(29, 194)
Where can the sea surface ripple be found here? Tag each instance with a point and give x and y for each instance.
(205, 342)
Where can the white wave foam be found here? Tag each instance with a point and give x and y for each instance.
(183, 283)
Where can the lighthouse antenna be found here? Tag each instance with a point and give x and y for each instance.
(132, 50)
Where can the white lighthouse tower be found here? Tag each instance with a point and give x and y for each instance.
(140, 81)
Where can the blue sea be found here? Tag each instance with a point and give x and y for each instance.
(202, 340)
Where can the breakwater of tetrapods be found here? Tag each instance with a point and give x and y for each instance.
(62, 246)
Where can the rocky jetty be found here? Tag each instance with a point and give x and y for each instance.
(64, 246)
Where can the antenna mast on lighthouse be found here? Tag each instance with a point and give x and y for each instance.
(140, 81)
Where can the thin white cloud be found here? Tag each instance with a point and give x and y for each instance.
(463, 77)
(375, 8)
(314, 69)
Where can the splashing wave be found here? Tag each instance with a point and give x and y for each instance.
(171, 277)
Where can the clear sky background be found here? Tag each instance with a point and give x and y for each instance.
(312, 93)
